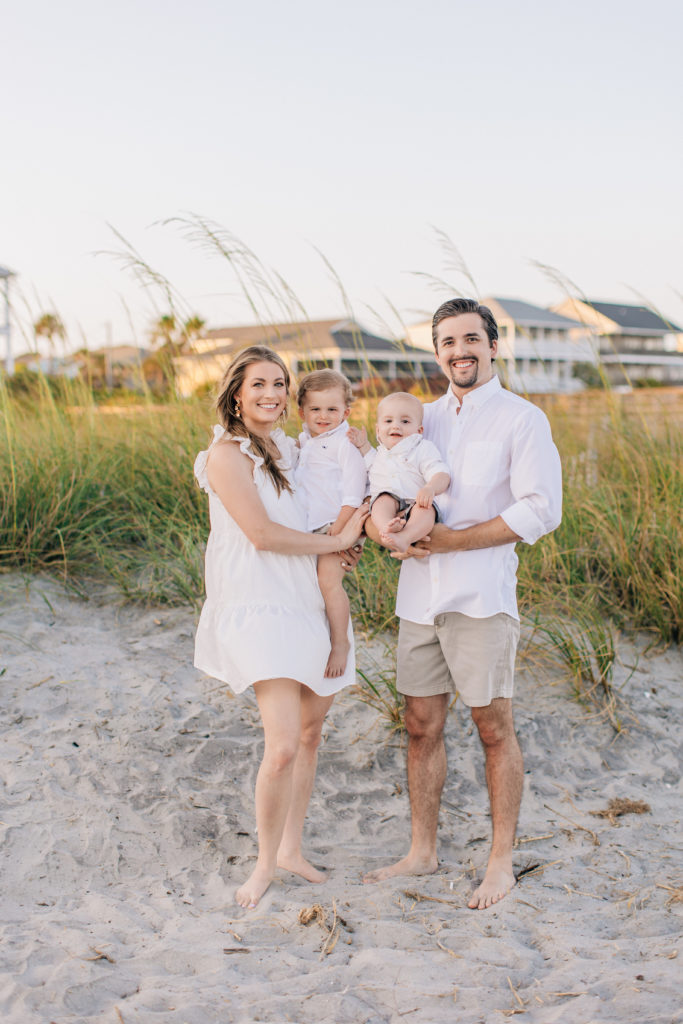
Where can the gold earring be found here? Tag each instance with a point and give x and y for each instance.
(237, 409)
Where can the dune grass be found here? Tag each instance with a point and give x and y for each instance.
(86, 492)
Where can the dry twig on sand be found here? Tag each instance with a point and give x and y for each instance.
(620, 805)
(676, 893)
(420, 897)
(318, 914)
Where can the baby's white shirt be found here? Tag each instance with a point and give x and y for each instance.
(330, 473)
(405, 468)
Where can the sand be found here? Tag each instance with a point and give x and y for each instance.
(127, 822)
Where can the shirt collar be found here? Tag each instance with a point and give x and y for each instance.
(477, 397)
(404, 446)
(305, 436)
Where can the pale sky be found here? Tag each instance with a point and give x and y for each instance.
(545, 131)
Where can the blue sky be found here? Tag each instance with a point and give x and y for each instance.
(533, 131)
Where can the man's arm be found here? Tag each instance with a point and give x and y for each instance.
(491, 534)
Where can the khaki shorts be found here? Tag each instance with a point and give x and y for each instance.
(474, 658)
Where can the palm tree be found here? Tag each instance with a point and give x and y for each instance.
(48, 325)
(193, 328)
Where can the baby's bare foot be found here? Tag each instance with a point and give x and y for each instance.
(395, 541)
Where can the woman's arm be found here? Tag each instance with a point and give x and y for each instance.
(230, 474)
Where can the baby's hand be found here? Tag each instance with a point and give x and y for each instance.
(357, 436)
(424, 497)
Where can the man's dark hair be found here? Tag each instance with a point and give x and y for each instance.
(456, 307)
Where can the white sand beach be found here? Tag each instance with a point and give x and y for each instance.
(127, 822)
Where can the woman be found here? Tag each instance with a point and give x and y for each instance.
(263, 623)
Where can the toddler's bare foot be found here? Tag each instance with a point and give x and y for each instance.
(395, 525)
(336, 663)
(410, 865)
(253, 889)
(298, 865)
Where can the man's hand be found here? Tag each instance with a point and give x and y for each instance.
(436, 543)
(412, 551)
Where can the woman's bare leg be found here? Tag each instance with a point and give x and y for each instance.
(279, 702)
(290, 856)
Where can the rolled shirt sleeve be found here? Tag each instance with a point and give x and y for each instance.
(535, 481)
(431, 462)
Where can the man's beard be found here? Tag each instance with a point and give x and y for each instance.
(467, 381)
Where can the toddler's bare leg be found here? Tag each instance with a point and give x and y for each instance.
(330, 576)
(420, 522)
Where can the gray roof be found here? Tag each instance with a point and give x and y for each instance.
(527, 315)
(634, 318)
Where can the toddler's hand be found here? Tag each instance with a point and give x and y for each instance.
(424, 498)
(358, 436)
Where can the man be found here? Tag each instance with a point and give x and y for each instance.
(459, 624)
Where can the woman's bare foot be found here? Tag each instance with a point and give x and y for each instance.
(497, 883)
(336, 663)
(253, 889)
(298, 865)
(410, 865)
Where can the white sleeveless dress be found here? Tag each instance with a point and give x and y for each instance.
(264, 616)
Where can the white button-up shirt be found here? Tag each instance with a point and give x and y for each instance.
(405, 468)
(330, 473)
(502, 462)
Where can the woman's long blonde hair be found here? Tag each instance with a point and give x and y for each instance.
(227, 407)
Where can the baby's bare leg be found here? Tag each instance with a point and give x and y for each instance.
(330, 576)
(420, 522)
(383, 515)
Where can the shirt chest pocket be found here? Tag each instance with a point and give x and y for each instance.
(483, 463)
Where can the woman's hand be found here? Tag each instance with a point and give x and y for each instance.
(354, 528)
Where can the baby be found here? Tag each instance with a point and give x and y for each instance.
(331, 481)
(406, 472)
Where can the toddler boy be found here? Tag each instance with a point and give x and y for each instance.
(331, 481)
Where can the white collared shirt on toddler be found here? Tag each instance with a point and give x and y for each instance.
(330, 473)
(405, 468)
(503, 462)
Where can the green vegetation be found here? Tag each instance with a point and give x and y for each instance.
(87, 491)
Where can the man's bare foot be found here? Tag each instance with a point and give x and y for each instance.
(497, 883)
(298, 865)
(336, 663)
(410, 865)
(253, 889)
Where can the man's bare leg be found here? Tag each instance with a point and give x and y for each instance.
(504, 778)
(425, 719)
(289, 855)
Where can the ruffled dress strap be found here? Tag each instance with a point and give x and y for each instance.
(221, 434)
